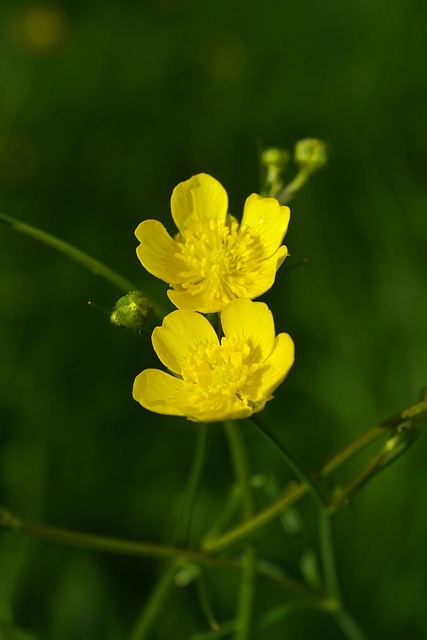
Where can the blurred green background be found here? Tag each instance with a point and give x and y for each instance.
(104, 108)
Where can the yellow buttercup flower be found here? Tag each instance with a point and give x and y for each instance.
(212, 379)
(213, 259)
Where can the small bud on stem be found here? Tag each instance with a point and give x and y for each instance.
(132, 311)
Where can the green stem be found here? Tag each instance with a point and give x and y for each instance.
(72, 252)
(104, 543)
(289, 191)
(325, 525)
(248, 529)
(185, 518)
(327, 553)
(349, 626)
(95, 266)
(10, 522)
(351, 450)
(155, 604)
(302, 475)
(295, 492)
(245, 607)
(241, 467)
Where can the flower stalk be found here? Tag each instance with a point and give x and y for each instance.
(245, 607)
(94, 265)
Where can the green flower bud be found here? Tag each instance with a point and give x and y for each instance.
(311, 154)
(276, 158)
(132, 311)
(275, 161)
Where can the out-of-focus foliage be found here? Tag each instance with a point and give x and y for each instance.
(105, 107)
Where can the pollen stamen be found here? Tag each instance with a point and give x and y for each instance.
(220, 261)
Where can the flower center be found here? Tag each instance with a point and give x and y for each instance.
(220, 261)
(221, 373)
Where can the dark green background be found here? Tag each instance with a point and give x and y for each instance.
(95, 131)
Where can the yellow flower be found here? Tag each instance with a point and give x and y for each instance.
(212, 259)
(216, 380)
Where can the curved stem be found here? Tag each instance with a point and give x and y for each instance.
(295, 492)
(349, 626)
(325, 525)
(94, 265)
(241, 467)
(302, 475)
(351, 450)
(286, 194)
(75, 254)
(245, 608)
(154, 605)
(184, 522)
(11, 523)
(245, 530)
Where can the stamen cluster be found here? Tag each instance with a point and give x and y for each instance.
(215, 265)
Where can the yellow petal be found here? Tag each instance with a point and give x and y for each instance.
(181, 333)
(252, 321)
(158, 252)
(267, 273)
(266, 219)
(189, 302)
(214, 409)
(158, 391)
(198, 200)
(279, 364)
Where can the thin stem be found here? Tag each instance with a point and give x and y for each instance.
(245, 607)
(94, 265)
(185, 518)
(241, 467)
(286, 194)
(155, 604)
(159, 595)
(236, 535)
(325, 525)
(349, 626)
(351, 450)
(295, 492)
(416, 411)
(242, 532)
(267, 570)
(103, 543)
(72, 252)
(327, 553)
(11, 523)
(302, 475)
(228, 510)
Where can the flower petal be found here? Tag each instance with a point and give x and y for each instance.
(252, 321)
(219, 413)
(190, 302)
(158, 391)
(266, 219)
(181, 334)
(198, 200)
(267, 273)
(158, 252)
(279, 364)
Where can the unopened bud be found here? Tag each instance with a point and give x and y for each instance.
(132, 311)
(275, 161)
(276, 158)
(311, 154)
